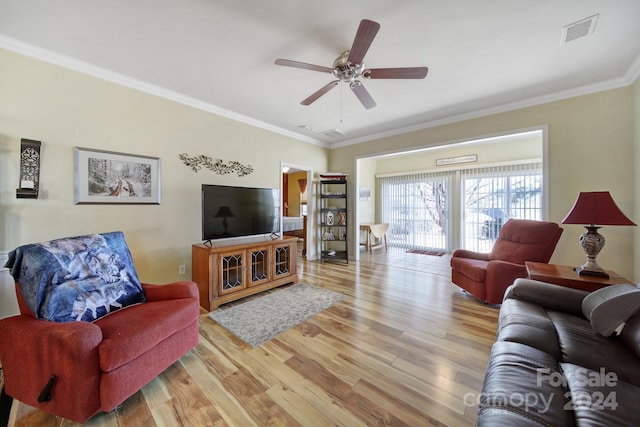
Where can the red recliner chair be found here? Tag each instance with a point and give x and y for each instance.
(487, 275)
(79, 357)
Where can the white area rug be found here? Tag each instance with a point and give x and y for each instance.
(258, 320)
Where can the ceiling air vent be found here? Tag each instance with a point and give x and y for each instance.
(582, 28)
(333, 133)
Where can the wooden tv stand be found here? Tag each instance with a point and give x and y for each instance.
(228, 270)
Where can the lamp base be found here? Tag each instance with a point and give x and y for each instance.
(592, 243)
(583, 271)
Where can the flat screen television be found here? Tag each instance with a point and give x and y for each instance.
(239, 211)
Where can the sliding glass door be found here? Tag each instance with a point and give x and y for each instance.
(416, 207)
(493, 195)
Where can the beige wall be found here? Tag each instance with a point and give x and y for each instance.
(495, 152)
(63, 109)
(366, 180)
(590, 149)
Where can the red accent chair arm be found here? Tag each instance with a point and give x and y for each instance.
(33, 350)
(176, 290)
(501, 275)
(78, 339)
(464, 253)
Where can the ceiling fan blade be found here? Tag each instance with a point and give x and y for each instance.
(364, 37)
(396, 73)
(304, 65)
(363, 95)
(317, 94)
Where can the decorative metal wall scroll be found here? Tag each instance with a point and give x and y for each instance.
(216, 165)
(29, 169)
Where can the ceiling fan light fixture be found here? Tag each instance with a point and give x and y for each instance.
(345, 70)
(349, 66)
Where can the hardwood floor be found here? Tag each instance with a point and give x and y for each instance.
(404, 348)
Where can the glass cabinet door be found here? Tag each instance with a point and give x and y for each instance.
(259, 266)
(232, 272)
(282, 260)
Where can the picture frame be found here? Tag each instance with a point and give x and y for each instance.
(108, 177)
(365, 193)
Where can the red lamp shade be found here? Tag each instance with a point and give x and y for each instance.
(596, 208)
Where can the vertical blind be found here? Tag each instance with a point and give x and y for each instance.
(418, 206)
(492, 195)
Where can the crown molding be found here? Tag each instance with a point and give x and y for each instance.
(634, 71)
(632, 74)
(70, 63)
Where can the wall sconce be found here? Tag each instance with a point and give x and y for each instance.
(29, 169)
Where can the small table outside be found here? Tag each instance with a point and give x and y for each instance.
(566, 276)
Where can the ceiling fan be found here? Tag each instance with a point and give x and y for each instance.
(349, 68)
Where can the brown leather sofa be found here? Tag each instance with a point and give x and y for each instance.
(554, 363)
(487, 275)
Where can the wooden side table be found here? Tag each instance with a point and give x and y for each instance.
(566, 276)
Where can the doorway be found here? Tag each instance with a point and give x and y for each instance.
(437, 208)
(296, 205)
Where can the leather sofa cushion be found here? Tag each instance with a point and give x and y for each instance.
(527, 323)
(631, 334)
(138, 329)
(504, 416)
(514, 384)
(582, 346)
(474, 269)
(547, 295)
(598, 400)
(609, 308)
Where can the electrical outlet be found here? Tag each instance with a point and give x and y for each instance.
(182, 269)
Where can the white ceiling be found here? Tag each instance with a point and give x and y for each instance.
(483, 56)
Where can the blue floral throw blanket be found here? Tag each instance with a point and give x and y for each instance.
(76, 278)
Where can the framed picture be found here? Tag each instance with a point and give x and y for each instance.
(108, 177)
(365, 193)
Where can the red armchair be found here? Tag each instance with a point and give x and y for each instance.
(487, 275)
(98, 365)
(75, 369)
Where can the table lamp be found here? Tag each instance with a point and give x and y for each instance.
(592, 210)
